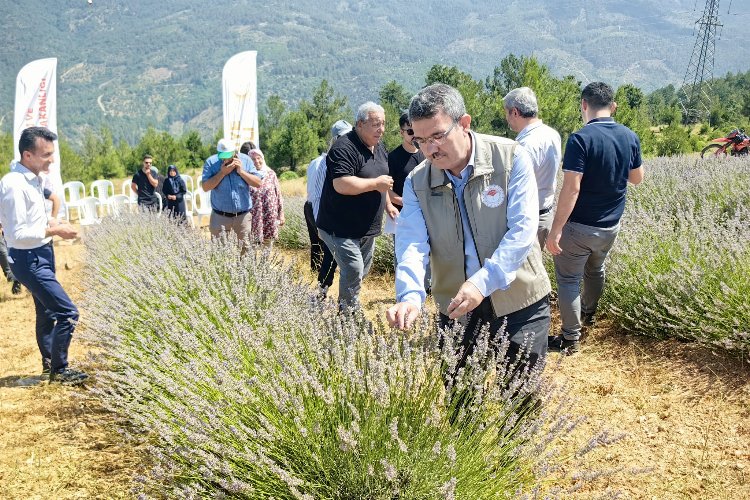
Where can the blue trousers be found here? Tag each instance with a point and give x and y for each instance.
(56, 315)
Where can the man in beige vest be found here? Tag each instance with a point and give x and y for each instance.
(472, 208)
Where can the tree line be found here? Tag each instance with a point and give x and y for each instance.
(291, 137)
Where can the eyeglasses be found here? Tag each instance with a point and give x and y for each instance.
(408, 131)
(435, 140)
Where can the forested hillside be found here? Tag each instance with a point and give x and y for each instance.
(140, 63)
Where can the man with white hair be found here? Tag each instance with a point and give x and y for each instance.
(350, 215)
(542, 142)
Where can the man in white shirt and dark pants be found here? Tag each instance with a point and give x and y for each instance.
(321, 258)
(542, 142)
(29, 233)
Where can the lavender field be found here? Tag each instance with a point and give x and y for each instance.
(243, 384)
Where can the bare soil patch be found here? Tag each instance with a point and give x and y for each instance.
(684, 411)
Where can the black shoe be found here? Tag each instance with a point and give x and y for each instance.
(46, 367)
(68, 376)
(16, 289)
(588, 319)
(559, 343)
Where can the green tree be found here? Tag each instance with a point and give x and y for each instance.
(395, 100)
(72, 167)
(270, 121)
(473, 92)
(293, 143)
(326, 107)
(395, 95)
(195, 152)
(6, 152)
(164, 148)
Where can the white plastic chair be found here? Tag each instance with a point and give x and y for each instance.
(73, 193)
(202, 205)
(89, 211)
(161, 204)
(119, 204)
(189, 194)
(103, 190)
(127, 191)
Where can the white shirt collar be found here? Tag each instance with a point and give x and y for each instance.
(528, 128)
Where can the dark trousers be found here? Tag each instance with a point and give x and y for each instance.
(321, 258)
(532, 321)
(56, 315)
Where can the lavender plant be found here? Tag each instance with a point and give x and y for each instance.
(247, 386)
(681, 264)
(293, 234)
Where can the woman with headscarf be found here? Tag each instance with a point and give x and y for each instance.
(174, 190)
(268, 205)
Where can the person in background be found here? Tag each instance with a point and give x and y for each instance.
(600, 160)
(542, 142)
(353, 200)
(268, 204)
(15, 288)
(246, 147)
(145, 183)
(229, 175)
(401, 161)
(174, 190)
(321, 258)
(29, 233)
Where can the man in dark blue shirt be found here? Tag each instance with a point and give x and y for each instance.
(600, 159)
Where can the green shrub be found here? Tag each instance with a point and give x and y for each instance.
(288, 175)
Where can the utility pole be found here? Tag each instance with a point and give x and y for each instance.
(694, 93)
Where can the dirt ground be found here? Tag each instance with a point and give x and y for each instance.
(684, 411)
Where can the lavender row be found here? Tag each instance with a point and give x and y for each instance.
(244, 385)
(681, 264)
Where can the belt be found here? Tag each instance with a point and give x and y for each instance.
(227, 214)
(545, 210)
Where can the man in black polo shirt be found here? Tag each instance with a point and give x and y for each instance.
(144, 185)
(600, 159)
(402, 160)
(353, 198)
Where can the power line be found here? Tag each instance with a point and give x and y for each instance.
(694, 94)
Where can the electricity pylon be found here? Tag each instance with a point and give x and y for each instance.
(694, 94)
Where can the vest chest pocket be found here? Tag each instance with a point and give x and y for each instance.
(442, 217)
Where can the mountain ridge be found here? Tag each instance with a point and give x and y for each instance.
(142, 63)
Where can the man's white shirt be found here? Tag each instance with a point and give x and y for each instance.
(542, 142)
(22, 210)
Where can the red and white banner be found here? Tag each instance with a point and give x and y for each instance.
(239, 84)
(36, 106)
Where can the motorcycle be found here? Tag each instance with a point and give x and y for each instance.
(737, 143)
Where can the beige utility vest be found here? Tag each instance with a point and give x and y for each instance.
(493, 160)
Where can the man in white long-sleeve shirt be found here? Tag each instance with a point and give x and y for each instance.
(321, 258)
(542, 142)
(472, 208)
(29, 233)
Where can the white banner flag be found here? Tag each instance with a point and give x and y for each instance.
(239, 84)
(36, 106)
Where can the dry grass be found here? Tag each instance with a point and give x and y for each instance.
(55, 442)
(685, 411)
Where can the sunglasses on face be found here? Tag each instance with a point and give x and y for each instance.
(408, 131)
